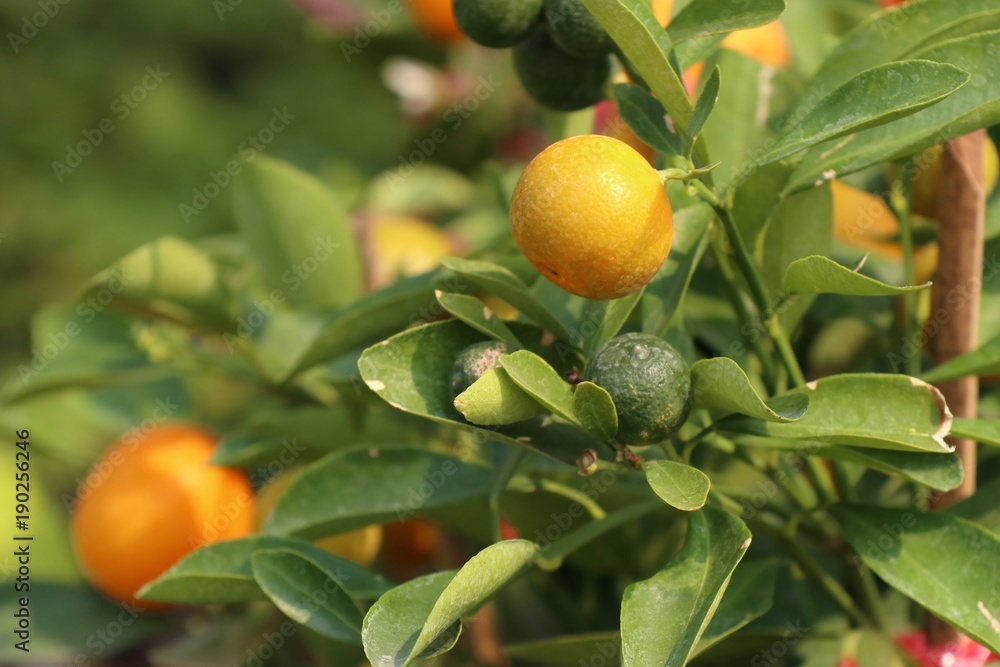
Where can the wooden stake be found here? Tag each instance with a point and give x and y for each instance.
(956, 291)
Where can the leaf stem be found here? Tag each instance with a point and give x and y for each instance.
(899, 199)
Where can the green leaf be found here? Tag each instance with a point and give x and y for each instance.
(679, 485)
(874, 97)
(720, 384)
(711, 17)
(982, 507)
(936, 559)
(665, 616)
(973, 106)
(536, 377)
(495, 399)
(887, 36)
(374, 317)
(983, 361)
(665, 292)
(749, 596)
(300, 234)
(168, 278)
(818, 274)
(985, 431)
(876, 410)
(552, 556)
(706, 101)
(394, 622)
(478, 581)
(503, 283)
(609, 316)
(646, 116)
(222, 573)
(307, 593)
(642, 40)
(595, 410)
(569, 651)
(477, 315)
(364, 486)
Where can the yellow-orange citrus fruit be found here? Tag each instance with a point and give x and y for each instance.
(864, 221)
(360, 546)
(148, 501)
(767, 44)
(592, 216)
(401, 246)
(662, 9)
(435, 19)
(927, 178)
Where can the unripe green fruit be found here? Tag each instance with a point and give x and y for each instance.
(575, 29)
(649, 382)
(555, 78)
(472, 362)
(498, 24)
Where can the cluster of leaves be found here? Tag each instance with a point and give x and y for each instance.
(362, 382)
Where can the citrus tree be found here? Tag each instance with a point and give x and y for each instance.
(673, 416)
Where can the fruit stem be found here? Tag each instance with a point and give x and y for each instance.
(756, 283)
(596, 511)
(899, 199)
(504, 474)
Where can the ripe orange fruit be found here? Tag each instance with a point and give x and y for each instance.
(592, 216)
(360, 546)
(662, 9)
(409, 547)
(767, 44)
(150, 500)
(401, 246)
(435, 19)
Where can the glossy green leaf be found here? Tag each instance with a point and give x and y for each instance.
(299, 232)
(982, 507)
(749, 596)
(168, 278)
(985, 431)
(876, 410)
(983, 361)
(365, 486)
(937, 559)
(497, 280)
(495, 399)
(874, 97)
(222, 573)
(595, 410)
(973, 106)
(818, 274)
(307, 593)
(706, 101)
(639, 36)
(942, 472)
(477, 315)
(371, 318)
(478, 581)
(665, 292)
(679, 485)
(602, 320)
(394, 622)
(570, 650)
(541, 381)
(886, 36)
(711, 17)
(552, 556)
(647, 118)
(664, 617)
(720, 384)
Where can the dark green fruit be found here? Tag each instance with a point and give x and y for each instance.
(498, 24)
(650, 383)
(472, 362)
(555, 78)
(575, 29)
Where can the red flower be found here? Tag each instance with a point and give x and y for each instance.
(964, 653)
